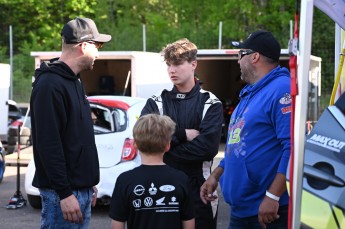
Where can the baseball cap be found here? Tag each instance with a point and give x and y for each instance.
(262, 42)
(81, 30)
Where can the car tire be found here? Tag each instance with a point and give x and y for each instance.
(11, 149)
(2, 166)
(35, 201)
(14, 132)
(24, 140)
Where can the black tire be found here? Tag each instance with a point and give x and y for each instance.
(24, 140)
(35, 201)
(13, 131)
(2, 166)
(11, 149)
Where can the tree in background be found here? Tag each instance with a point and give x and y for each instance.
(37, 26)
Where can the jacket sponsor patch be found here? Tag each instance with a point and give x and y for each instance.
(286, 109)
(286, 99)
(180, 96)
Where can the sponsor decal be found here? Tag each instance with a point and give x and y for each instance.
(167, 188)
(234, 136)
(148, 201)
(160, 201)
(168, 210)
(137, 203)
(180, 96)
(152, 189)
(173, 201)
(139, 190)
(286, 99)
(286, 110)
(326, 142)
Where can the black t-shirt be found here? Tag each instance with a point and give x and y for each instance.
(152, 197)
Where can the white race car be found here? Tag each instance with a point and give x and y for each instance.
(114, 118)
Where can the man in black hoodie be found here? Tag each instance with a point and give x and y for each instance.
(64, 149)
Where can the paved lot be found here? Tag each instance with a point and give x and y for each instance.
(28, 218)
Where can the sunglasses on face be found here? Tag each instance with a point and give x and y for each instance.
(243, 53)
(98, 45)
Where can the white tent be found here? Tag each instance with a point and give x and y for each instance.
(336, 10)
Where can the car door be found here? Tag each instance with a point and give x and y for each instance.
(323, 198)
(110, 127)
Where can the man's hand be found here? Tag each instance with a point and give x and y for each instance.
(191, 134)
(207, 190)
(71, 210)
(94, 196)
(268, 211)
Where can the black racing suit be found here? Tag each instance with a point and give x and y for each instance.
(202, 111)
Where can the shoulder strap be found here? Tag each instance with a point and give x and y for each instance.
(159, 101)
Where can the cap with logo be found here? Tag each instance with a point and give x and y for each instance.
(262, 42)
(81, 30)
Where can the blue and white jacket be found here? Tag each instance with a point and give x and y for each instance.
(258, 145)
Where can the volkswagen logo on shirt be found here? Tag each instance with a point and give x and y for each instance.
(148, 201)
(139, 190)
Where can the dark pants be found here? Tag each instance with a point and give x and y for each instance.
(253, 221)
(203, 212)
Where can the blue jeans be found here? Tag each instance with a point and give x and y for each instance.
(253, 221)
(51, 214)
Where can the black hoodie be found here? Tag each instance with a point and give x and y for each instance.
(64, 146)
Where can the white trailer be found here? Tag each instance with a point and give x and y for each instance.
(217, 68)
(220, 72)
(136, 74)
(4, 97)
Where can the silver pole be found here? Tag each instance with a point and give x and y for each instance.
(291, 29)
(11, 64)
(144, 38)
(220, 36)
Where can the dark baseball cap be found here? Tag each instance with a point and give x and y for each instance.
(262, 42)
(81, 30)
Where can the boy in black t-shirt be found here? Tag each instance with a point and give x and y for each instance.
(152, 195)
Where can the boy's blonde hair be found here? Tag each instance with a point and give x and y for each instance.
(180, 51)
(152, 133)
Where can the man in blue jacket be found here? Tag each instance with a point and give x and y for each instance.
(252, 174)
(64, 148)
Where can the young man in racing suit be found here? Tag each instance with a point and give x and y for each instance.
(198, 115)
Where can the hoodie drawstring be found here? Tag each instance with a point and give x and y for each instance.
(80, 98)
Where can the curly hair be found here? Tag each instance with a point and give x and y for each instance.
(180, 51)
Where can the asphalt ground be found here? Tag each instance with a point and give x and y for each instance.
(29, 218)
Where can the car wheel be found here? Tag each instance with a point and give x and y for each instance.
(2, 166)
(12, 132)
(11, 149)
(35, 201)
(24, 140)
